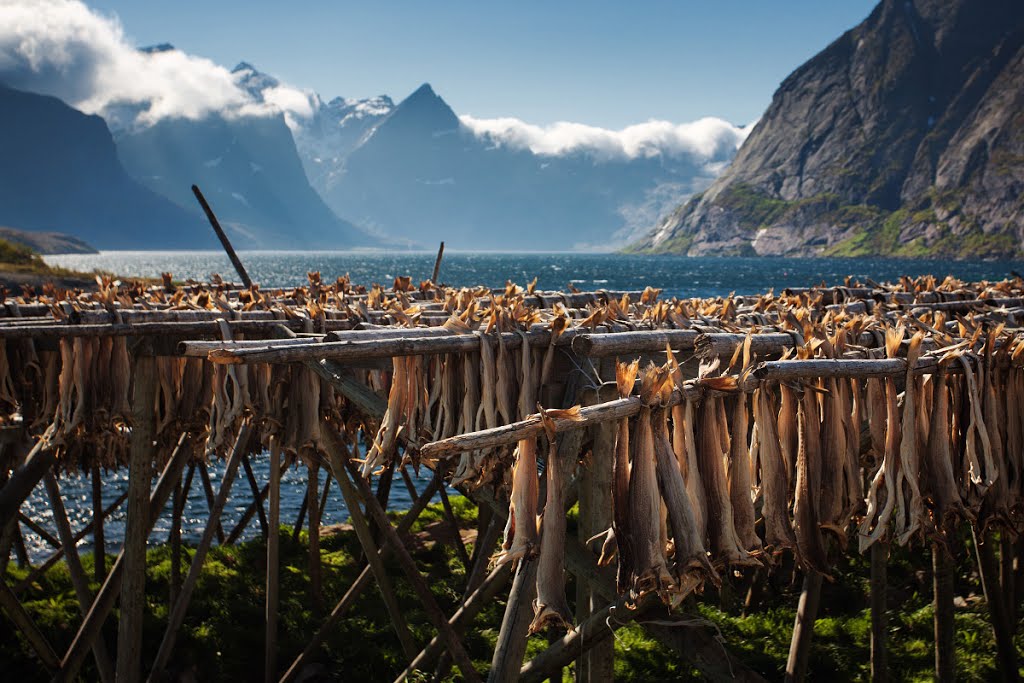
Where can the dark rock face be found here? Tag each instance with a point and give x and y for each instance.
(903, 137)
(61, 172)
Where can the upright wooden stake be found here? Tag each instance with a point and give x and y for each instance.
(99, 551)
(105, 599)
(78, 579)
(879, 628)
(27, 627)
(204, 474)
(803, 627)
(373, 557)
(511, 645)
(257, 496)
(437, 264)
(273, 541)
(224, 241)
(177, 503)
(1006, 652)
(419, 585)
(313, 503)
(1007, 579)
(942, 594)
(177, 615)
(360, 584)
(141, 459)
(460, 547)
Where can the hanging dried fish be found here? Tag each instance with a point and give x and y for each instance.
(809, 543)
(739, 478)
(649, 570)
(550, 608)
(774, 485)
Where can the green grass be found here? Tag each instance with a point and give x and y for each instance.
(222, 637)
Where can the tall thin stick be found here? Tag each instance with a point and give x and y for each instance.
(273, 568)
(140, 472)
(99, 551)
(224, 241)
(437, 264)
(879, 628)
(942, 594)
(803, 627)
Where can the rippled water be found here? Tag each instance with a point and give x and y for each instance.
(677, 276)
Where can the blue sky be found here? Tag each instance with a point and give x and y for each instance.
(602, 63)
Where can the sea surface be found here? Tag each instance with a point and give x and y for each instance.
(676, 276)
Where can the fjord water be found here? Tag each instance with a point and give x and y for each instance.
(676, 276)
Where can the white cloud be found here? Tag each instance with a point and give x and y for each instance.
(708, 138)
(64, 48)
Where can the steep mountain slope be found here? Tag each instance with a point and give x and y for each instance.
(903, 137)
(249, 170)
(60, 171)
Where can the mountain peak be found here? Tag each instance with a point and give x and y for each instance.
(155, 49)
(243, 66)
(424, 107)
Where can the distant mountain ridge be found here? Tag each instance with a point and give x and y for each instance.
(904, 137)
(414, 172)
(61, 172)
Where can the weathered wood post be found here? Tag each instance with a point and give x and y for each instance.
(803, 627)
(879, 622)
(273, 568)
(99, 551)
(141, 459)
(942, 595)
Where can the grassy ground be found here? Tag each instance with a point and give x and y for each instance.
(223, 635)
(19, 265)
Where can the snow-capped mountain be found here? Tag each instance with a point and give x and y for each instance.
(417, 173)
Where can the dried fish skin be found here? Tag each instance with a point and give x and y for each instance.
(774, 484)
(725, 546)
(809, 543)
(550, 609)
(521, 536)
(740, 486)
(692, 566)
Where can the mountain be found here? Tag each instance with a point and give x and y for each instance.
(416, 173)
(60, 171)
(904, 137)
(47, 242)
(249, 171)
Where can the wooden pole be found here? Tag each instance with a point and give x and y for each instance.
(429, 604)
(204, 474)
(53, 559)
(460, 547)
(78, 578)
(313, 498)
(27, 627)
(141, 458)
(360, 584)
(257, 496)
(1006, 652)
(942, 595)
(22, 480)
(225, 242)
(250, 511)
(511, 646)
(39, 530)
(99, 551)
(879, 626)
(594, 631)
(470, 607)
(370, 550)
(437, 264)
(105, 599)
(174, 589)
(177, 615)
(273, 566)
(803, 627)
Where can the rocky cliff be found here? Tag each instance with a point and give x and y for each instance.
(904, 137)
